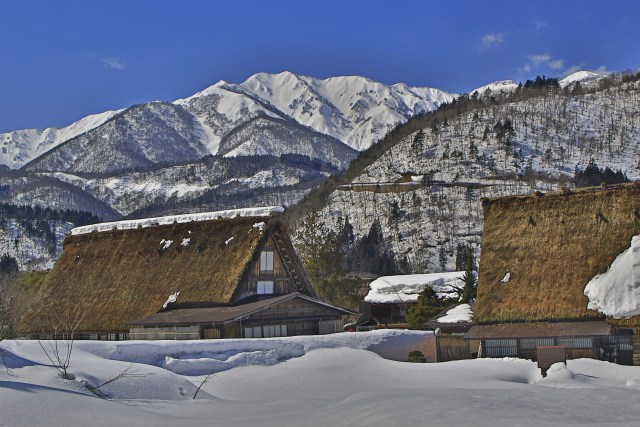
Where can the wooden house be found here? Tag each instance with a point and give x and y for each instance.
(222, 274)
(539, 252)
(390, 297)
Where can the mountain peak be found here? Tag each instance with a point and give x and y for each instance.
(582, 76)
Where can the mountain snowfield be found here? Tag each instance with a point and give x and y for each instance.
(346, 379)
(354, 110)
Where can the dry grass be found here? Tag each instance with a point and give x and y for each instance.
(552, 245)
(118, 276)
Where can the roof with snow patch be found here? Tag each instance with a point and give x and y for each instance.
(113, 277)
(552, 245)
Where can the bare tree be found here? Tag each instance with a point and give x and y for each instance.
(129, 372)
(59, 347)
(204, 381)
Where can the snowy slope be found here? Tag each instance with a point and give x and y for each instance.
(426, 220)
(21, 146)
(497, 86)
(584, 77)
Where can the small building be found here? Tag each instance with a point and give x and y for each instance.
(559, 269)
(212, 275)
(389, 297)
(450, 327)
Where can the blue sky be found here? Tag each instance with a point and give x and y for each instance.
(61, 60)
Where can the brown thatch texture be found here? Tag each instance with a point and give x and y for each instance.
(552, 245)
(115, 277)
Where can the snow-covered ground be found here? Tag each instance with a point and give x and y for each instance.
(330, 380)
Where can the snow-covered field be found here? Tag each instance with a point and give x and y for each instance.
(330, 380)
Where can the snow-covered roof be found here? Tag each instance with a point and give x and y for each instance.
(164, 220)
(407, 288)
(459, 313)
(617, 292)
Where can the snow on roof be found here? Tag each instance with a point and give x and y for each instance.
(617, 291)
(459, 313)
(165, 220)
(407, 288)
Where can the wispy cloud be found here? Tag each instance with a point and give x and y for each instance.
(541, 61)
(108, 61)
(571, 70)
(546, 60)
(492, 40)
(603, 69)
(541, 24)
(113, 63)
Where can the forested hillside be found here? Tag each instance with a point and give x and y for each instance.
(419, 190)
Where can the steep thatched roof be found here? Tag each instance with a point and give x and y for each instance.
(113, 277)
(551, 245)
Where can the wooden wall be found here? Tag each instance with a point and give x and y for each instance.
(282, 283)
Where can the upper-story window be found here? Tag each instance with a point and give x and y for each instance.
(265, 287)
(266, 262)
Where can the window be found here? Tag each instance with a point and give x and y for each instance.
(266, 262)
(266, 331)
(265, 287)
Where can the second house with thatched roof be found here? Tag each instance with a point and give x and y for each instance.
(561, 271)
(228, 274)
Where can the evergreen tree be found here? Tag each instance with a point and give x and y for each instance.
(428, 306)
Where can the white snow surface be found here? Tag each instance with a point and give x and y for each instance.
(459, 313)
(582, 77)
(617, 291)
(336, 380)
(407, 288)
(172, 298)
(499, 86)
(164, 220)
(506, 277)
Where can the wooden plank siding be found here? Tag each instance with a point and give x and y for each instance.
(299, 316)
(455, 347)
(282, 283)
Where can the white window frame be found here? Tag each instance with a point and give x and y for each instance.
(266, 262)
(265, 287)
(266, 331)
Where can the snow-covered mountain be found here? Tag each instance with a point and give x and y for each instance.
(497, 86)
(584, 77)
(353, 110)
(425, 190)
(20, 146)
(271, 139)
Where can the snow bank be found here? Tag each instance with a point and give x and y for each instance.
(336, 382)
(617, 292)
(165, 220)
(205, 356)
(459, 313)
(407, 288)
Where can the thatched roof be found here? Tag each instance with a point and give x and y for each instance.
(551, 245)
(114, 277)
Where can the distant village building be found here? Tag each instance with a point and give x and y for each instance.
(228, 274)
(561, 270)
(389, 297)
